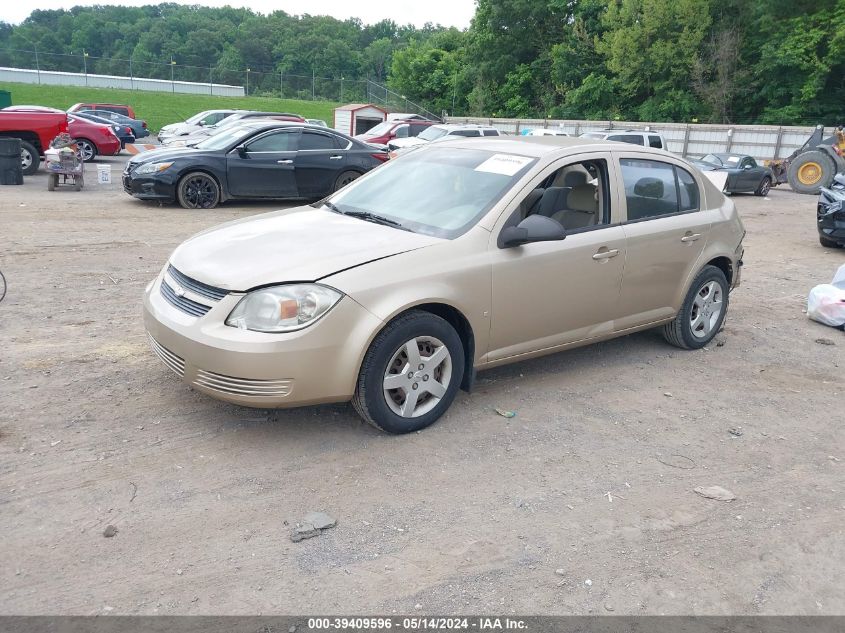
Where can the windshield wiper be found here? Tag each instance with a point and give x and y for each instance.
(375, 218)
(330, 205)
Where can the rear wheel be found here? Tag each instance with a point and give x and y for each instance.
(703, 312)
(764, 187)
(810, 171)
(30, 160)
(829, 243)
(410, 374)
(87, 149)
(344, 179)
(198, 190)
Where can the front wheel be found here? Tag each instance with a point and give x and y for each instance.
(702, 313)
(87, 149)
(198, 190)
(410, 374)
(764, 187)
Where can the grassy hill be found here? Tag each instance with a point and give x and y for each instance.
(161, 108)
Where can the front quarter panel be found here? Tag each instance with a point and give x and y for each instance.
(452, 272)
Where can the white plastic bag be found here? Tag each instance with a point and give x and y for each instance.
(826, 303)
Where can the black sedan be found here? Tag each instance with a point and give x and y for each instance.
(262, 159)
(744, 174)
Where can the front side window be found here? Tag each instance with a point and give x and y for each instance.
(655, 189)
(655, 141)
(435, 191)
(402, 131)
(276, 142)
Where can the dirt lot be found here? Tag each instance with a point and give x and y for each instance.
(478, 514)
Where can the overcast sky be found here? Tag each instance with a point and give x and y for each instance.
(447, 12)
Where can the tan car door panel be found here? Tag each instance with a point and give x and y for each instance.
(553, 293)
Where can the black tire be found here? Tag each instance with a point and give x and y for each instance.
(370, 399)
(87, 149)
(829, 243)
(680, 331)
(764, 187)
(824, 172)
(52, 181)
(344, 179)
(198, 190)
(30, 160)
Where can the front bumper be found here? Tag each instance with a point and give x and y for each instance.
(831, 226)
(149, 187)
(315, 365)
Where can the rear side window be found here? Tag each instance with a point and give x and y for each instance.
(465, 133)
(491, 132)
(416, 128)
(118, 109)
(654, 189)
(277, 142)
(655, 141)
(634, 139)
(315, 140)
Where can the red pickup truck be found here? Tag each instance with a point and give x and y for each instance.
(35, 130)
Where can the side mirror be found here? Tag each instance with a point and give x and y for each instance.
(534, 228)
(649, 188)
(747, 167)
(242, 151)
(202, 123)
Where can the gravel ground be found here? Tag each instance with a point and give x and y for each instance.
(583, 503)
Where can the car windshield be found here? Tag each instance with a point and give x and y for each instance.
(712, 159)
(434, 191)
(225, 138)
(599, 135)
(381, 128)
(432, 133)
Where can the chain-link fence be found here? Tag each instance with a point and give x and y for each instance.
(255, 82)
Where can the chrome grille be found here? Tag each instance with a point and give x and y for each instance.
(243, 386)
(189, 306)
(197, 287)
(169, 358)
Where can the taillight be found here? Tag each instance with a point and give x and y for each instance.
(128, 130)
(383, 157)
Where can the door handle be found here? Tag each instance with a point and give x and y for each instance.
(606, 254)
(692, 237)
(335, 157)
(285, 162)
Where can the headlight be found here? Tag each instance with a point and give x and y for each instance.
(152, 168)
(283, 308)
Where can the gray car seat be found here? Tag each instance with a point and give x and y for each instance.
(582, 208)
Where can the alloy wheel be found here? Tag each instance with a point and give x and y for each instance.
(417, 376)
(706, 310)
(200, 192)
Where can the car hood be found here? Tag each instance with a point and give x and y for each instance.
(301, 244)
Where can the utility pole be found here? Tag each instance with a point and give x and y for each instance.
(247, 82)
(454, 91)
(172, 84)
(85, 65)
(341, 88)
(210, 81)
(281, 84)
(131, 84)
(37, 67)
(313, 78)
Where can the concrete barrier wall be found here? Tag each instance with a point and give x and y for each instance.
(763, 142)
(53, 78)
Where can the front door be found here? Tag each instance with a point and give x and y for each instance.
(548, 294)
(265, 167)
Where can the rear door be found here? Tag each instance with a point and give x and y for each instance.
(320, 159)
(265, 167)
(666, 230)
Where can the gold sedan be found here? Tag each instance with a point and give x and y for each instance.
(457, 257)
